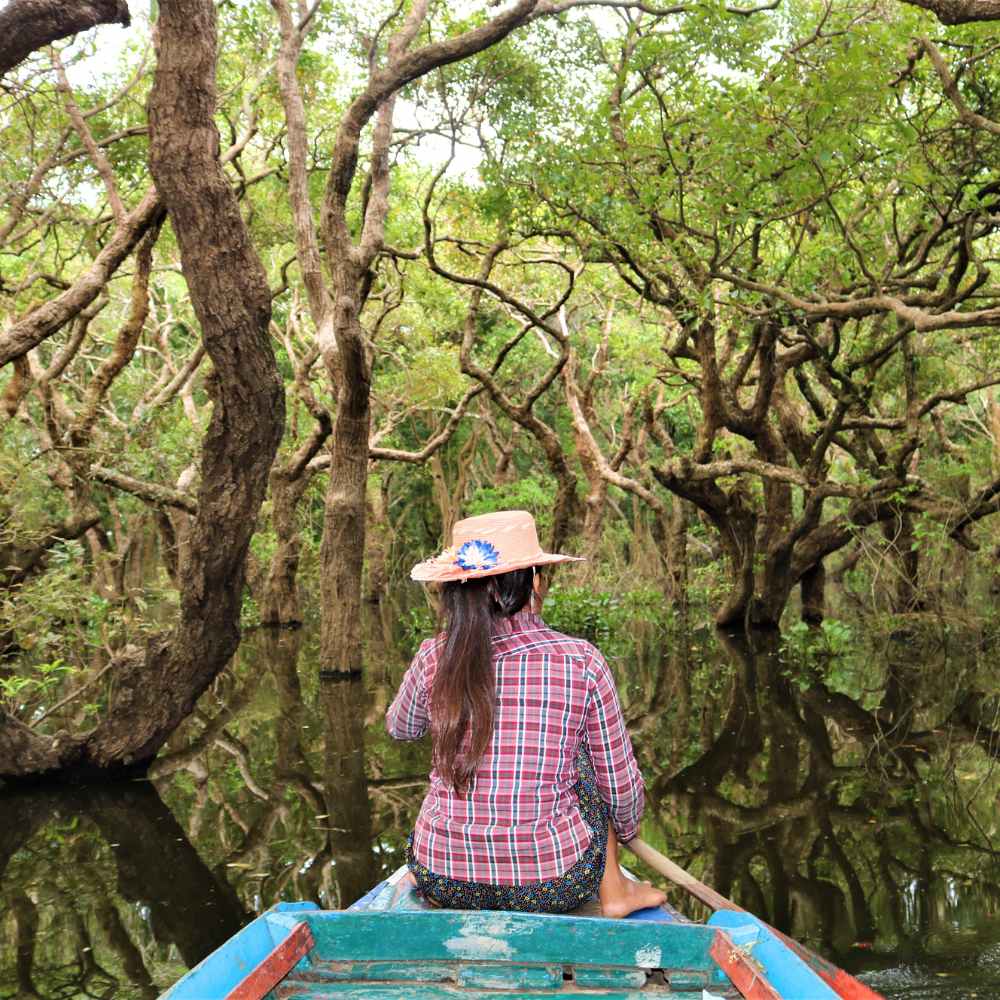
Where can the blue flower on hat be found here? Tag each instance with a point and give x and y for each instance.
(477, 554)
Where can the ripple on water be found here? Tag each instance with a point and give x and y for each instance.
(979, 979)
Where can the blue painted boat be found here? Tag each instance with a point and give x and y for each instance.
(391, 946)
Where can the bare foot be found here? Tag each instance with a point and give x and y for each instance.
(620, 897)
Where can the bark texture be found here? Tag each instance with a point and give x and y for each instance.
(343, 545)
(156, 688)
(960, 11)
(27, 25)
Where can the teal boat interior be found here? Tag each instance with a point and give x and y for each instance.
(390, 945)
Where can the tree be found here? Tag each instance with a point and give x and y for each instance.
(157, 687)
(519, 411)
(795, 314)
(720, 302)
(337, 308)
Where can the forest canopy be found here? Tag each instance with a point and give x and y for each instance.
(288, 287)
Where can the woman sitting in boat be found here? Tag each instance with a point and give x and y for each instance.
(534, 782)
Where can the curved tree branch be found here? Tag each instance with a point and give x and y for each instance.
(959, 11)
(31, 330)
(27, 25)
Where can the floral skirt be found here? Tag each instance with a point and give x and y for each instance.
(557, 895)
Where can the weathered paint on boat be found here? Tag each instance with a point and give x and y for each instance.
(391, 946)
(222, 973)
(787, 973)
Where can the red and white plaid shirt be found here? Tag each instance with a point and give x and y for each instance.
(520, 820)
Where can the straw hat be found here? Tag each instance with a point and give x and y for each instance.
(486, 546)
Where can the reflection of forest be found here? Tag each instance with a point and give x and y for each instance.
(846, 814)
(851, 822)
(101, 889)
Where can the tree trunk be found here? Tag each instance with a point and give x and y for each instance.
(279, 601)
(739, 543)
(595, 502)
(677, 555)
(341, 339)
(443, 496)
(156, 689)
(813, 589)
(343, 547)
(565, 505)
(960, 11)
(905, 594)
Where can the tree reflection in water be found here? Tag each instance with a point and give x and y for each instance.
(104, 894)
(865, 826)
(354, 868)
(851, 805)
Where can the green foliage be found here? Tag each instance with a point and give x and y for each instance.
(19, 692)
(418, 624)
(671, 170)
(427, 376)
(818, 644)
(675, 167)
(831, 652)
(607, 619)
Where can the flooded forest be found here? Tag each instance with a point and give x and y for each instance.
(287, 287)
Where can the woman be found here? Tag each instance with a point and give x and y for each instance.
(534, 780)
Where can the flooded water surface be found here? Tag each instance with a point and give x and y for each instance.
(845, 791)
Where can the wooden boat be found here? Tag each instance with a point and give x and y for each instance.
(390, 945)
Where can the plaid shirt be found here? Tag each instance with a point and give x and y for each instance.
(520, 821)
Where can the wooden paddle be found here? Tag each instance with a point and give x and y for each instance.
(842, 983)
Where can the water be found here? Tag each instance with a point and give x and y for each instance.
(858, 814)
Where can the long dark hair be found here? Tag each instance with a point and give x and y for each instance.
(464, 690)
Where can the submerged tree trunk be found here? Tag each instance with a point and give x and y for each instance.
(157, 688)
